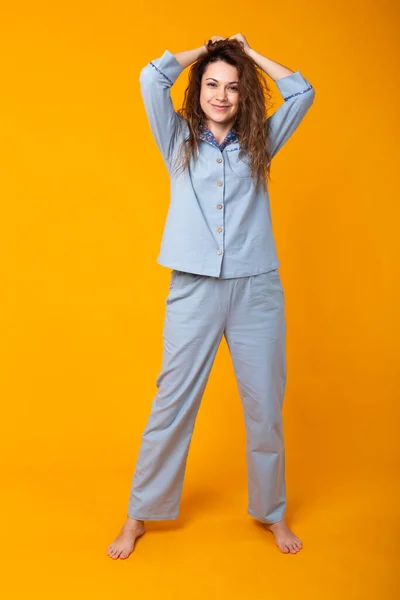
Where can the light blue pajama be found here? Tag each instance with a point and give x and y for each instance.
(218, 223)
(218, 241)
(249, 311)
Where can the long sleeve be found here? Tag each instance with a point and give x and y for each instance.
(298, 95)
(156, 80)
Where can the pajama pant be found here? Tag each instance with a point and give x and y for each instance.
(250, 313)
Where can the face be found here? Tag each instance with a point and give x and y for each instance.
(219, 88)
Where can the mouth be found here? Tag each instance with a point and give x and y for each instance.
(220, 108)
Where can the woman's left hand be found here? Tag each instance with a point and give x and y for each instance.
(241, 38)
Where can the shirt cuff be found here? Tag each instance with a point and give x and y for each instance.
(168, 66)
(293, 85)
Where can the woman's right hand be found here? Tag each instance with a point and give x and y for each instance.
(214, 38)
(187, 57)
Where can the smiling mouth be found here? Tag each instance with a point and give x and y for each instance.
(219, 107)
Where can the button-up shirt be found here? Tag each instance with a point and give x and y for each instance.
(218, 223)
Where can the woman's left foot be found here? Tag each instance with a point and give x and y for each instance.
(285, 539)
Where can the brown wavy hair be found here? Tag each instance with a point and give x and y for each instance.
(254, 102)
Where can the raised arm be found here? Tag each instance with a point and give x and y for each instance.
(298, 95)
(156, 80)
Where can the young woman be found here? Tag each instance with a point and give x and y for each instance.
(218, 241)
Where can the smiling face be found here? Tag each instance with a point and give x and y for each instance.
(219, 94)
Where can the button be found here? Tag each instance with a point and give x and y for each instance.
(219, 229)
(219, 160)
(219, 206)
(219, 251)
(220, 183)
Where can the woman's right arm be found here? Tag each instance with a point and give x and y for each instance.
(188, 57)
(156, 80)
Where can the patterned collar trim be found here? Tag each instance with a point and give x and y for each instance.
(207, 136)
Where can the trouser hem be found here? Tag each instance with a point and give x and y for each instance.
(153, 518)
(250, 512)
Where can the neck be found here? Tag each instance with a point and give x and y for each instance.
(219, 130)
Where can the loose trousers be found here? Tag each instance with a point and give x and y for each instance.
(250, 313)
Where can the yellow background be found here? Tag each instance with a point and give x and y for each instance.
(84, 196)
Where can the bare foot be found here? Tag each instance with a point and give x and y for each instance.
(285, 539)
(124, 544)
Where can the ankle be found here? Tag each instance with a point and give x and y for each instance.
(277, 524)
(133, 521)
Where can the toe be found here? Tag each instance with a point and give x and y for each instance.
(124, 555)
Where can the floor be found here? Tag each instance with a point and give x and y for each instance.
(58, 523)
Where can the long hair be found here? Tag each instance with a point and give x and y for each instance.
(254, 101)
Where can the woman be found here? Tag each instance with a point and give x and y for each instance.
(219, 244)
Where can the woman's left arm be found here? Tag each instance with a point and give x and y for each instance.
(273, 69)
(297, 93)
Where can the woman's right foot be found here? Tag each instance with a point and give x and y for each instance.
(124, 544)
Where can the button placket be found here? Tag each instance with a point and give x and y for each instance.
(220, 206)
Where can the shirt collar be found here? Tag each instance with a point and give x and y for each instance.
(207, 136)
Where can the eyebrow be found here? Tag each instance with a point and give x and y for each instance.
(217, 80)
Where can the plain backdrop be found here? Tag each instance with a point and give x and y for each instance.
(84, 196)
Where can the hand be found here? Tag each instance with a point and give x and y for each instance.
(240, 37)
(215, 38)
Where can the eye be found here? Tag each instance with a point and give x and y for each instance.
(232, 87)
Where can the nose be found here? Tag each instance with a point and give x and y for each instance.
(221, 94)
